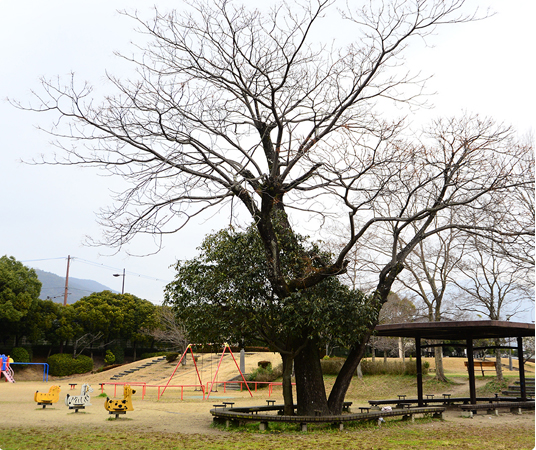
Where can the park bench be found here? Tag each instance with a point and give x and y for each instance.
(445, 400)
(241, 415)
(484, 366)
(493, 408)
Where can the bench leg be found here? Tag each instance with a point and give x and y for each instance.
(493, 412)
(467, 413)
(437, 415)
(263, 426)
(303, 426)
(339, 425)
(515, 410)
(410, 417)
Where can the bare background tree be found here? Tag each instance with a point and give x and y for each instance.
(170, 330)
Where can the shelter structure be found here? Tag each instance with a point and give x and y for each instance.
(467, 331)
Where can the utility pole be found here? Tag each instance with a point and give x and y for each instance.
(66, 282)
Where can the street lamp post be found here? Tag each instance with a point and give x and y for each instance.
(121, 275)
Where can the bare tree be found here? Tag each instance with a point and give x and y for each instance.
(170, 330)
(85, 341)
(430, 266)
(490, 286)
(234, 104)
(395, 310)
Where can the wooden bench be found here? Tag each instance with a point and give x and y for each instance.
(493, 408)
(483, 366)
(241, 415)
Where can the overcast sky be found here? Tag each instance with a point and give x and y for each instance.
(485, 67)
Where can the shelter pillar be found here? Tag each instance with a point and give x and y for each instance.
(419, 371)
(521, 369)
(471, 369)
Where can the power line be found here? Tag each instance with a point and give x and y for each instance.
(100, 265)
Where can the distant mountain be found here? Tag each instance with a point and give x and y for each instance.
(54, 287)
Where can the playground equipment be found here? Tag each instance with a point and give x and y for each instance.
(46, 399)
(118, 407)
(77, 402)
(225, 347)
(7, 371)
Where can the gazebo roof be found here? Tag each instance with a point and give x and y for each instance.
(458, 330)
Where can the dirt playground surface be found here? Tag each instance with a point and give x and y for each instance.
(170, 414)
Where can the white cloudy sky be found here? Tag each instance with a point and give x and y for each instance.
(484, 67)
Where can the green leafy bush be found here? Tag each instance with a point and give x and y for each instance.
(266, 375)
(61, 364)
(20, 354)
(171, 356)
(109, 358)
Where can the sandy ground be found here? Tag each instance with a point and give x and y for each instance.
(170, 413)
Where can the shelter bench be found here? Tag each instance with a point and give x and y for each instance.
(484, 366)
(493, 408)
(242, 415)
(445, 401)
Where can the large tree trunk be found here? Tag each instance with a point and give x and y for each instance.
(310, 389)
(288, 408)
(342, 383)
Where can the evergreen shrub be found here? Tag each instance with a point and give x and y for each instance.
(171, 356)
(20, 354)
(62, 364)
(109, 357)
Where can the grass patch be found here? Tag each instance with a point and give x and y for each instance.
(391, 436)
(492, 387)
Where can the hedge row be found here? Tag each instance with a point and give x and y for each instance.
(333, 366)
(62, 364)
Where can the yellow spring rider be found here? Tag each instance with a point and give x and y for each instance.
(118, 407)
(47, 398)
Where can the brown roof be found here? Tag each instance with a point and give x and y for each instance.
(478, 329)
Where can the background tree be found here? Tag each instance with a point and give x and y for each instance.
(430, 267)
(490, 286)
(231, 103)
(395, 310)
(169, 329)
(41, 321)
(139, 315)
(108, 317)
(19, 289)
